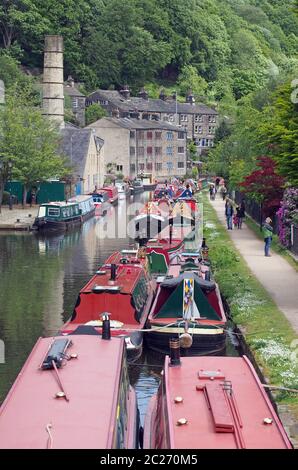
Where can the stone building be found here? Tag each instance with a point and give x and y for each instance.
(77, 101)
(134, 146)
(199, 120)
(86, 155)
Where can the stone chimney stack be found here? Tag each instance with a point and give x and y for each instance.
(190, 98)
(125, 92)
(143, 94)
(162, 95)
(53, 93)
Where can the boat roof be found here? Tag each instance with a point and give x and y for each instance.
(80, 198)
(127, 276)
(214, 419)
(60, 203)
(31, 413)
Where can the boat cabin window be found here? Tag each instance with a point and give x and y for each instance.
(53, 212)
(121, 424)
(42, 211)
(76, 209)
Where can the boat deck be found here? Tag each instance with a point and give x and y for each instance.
(33, 418)
(216, 419)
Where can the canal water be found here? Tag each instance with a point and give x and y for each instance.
(40, 278)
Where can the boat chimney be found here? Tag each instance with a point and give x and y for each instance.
(113, 272)
(106, 326)
(175, 352)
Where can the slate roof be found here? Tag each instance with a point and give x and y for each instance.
(132, 123)
(151, 105)
(75, 144)
(73, 91)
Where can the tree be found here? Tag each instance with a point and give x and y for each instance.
(190, 80)
(279, 130)
(94, 112)
(264, 185)
(30, 141)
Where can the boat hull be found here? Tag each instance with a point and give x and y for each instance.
(150, 187)
(202, 343)
(58, 226)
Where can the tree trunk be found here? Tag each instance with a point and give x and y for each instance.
(25, 190)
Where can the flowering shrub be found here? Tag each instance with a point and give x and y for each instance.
(287, 215)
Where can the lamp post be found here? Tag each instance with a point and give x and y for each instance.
(10, 196)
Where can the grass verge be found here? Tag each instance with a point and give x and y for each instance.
(266, 330)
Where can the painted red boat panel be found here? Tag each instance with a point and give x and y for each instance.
(32, 418)
(216, 419)
(112, 192)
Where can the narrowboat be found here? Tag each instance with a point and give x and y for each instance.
(112, 193)
(187, 307)
(136, 187)
(101, 202)
(212, 403)
(72, 393)
(163, 191)
(58, 216)
(148, 181)
(123, 188)
(149, 222)
(86, 205)
(160, 252)
(123, 288)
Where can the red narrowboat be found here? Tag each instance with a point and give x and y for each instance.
(212, 403)
(112, 193)
(123, 288)
(190, 308)
(72, 393)
(149, 222)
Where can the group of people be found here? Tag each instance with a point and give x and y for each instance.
(214, 189)
(232, 217)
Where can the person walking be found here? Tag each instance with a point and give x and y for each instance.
(223, 191)
(229, 211)
(241, 214)
(267, 232)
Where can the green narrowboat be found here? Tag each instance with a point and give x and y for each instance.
(58, 216)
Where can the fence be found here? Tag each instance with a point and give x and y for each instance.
(294, 239)
(254, 209)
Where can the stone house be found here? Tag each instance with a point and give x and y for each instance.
(199, 120)
(86, 155)
(77, 99)
(134, 146)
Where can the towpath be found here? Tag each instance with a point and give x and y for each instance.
(277, 276)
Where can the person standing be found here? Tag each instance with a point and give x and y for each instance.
(229, 214)
(241, 214)
(267, 232)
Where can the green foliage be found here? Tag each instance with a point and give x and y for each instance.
(279, 130)
(29, 140)
(189, 80)
(233, 46)
(94, 112)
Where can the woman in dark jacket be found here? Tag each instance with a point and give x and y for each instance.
(240, 214)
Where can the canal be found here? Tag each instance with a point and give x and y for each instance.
(40, 278)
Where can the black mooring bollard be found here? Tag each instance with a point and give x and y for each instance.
(106, 326)
(175, 352)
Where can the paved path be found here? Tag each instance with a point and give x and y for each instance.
(8, 218)
(275, 273)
